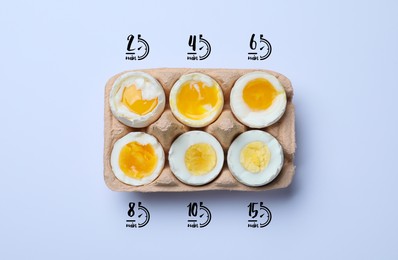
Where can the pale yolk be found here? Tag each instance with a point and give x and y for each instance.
(259, 94)
(255, 156)
(132, 99)
(200, 158)
(196, 100)
(137, 161)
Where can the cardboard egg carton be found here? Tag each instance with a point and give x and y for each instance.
(167, 128)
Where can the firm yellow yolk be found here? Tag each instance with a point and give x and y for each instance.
(200, 159)
(137, 161)
(255, 156)
(259, 94)
(196, 100)
(132, 99)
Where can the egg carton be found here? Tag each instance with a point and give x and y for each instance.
(167, 128)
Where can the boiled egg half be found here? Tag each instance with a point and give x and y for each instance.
(196, 158)
(137, 158)
(196, 99)
(258, 99)
(255, 158)
(137, 99)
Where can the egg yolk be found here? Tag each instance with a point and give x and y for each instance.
(196, 100)
(259, 94)
(137, 161)
(200, 159)
(132, 99)
(255, 156)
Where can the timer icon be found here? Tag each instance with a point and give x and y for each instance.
(260, 215)
(199, 217)
(138, 217)
(261, 49)
(201, 48)
(141, 50)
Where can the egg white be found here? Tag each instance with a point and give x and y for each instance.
(150, 88)
(257, 119)
(173, 100)
(269, 173)
(143, 139)
(177, 157)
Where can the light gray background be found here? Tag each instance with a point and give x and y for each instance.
(341, 57)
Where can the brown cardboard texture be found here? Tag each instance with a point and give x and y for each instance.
(167, 128)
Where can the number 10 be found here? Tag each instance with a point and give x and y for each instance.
(192, 209)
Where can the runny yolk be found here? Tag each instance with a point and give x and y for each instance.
(255, 156)
(137, 161)
(259, 94)
(200, 159)
(132, 99)
(196, 100)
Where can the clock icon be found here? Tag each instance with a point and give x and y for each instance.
(264, 215)
(204, 215)
(138, 49)
(204, 47)
(265, 48)
(143, 215)
(142, 48)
